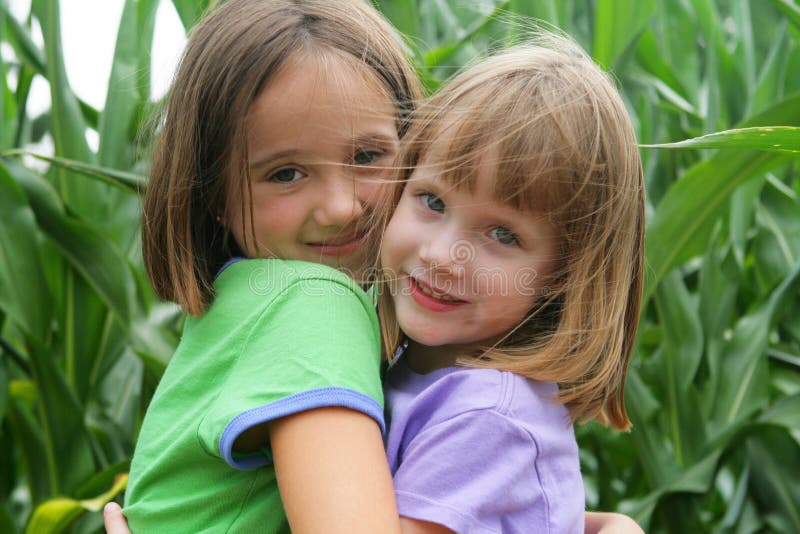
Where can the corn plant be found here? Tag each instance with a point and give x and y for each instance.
(714, 383)
(82, 339)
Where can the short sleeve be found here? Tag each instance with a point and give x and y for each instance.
(316, 344)
(477, 473)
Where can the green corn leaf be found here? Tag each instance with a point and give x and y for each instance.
(717, 295)
(126, 181)
(56, 515)
(681, 225)
(546, 10)
(24, 295)
(7, 103)
(668, 94)
(780, 213)
(29, 441)
(784, 139)
(4, 384)
(738, 506)
(403, 15)
(642, 406)
(69, 128)
(24, 47)
(100, 262)
(190, 11)
(790, 9)
(768, 87)
(650, 59)
(682, 351)
(744, 35)
(743, 384)
(696, 479)
(784, 413)
(128, 85)
(676, 25)
(68, 453)
(743, 204)
(775, 479)
(439, 55)
(617, 23)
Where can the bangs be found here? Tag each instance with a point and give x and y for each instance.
(542, 159)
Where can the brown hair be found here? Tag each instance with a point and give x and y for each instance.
(229, 59)
(566, 149)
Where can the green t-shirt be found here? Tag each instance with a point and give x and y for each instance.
(281, 337)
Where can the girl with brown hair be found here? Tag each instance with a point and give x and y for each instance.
(280, 126)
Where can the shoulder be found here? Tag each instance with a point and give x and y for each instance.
(263, 282)
(497, 401)
(265, 276)
(462, 390)
(486, 402)
(454, 440)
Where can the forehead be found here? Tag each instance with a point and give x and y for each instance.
(327, 78)
(319, 98)
(472, 149)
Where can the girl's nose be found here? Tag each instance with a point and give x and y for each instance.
(339, 203)
(440, 253)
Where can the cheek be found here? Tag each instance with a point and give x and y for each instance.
(397, 240)
(371, 193)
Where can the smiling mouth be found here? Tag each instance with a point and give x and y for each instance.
(339, 246)
(432, 299)
(431, 292)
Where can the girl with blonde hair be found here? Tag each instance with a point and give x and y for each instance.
(513, 277)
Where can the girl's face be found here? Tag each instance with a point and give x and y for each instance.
(317, 137)
(466, 269)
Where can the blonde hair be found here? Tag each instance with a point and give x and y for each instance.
(230, 57)
(566, 149)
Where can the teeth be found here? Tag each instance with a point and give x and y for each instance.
(440, 296)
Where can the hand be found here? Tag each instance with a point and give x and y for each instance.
(114, 520)
(609, 523)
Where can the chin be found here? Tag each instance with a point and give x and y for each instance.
(424, 336)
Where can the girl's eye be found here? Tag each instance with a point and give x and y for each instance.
(432, 202)
(367, 157)
(286, 175)
(503, 235)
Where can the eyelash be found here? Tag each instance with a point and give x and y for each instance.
(273, 176)
(515, 239)
(374, 153)
(427, 198)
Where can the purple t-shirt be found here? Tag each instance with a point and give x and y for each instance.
(481, 450)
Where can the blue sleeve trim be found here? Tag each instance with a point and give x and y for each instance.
(299, 402)
(228, 264)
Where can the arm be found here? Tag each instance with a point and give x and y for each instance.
(416, 526)
(332, 472)
(610, 523)
(596, 523)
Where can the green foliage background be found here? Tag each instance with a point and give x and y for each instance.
(714, 384)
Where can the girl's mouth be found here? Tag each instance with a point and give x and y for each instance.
(432, 299)
(340, 246)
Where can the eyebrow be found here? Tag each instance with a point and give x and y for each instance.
(376, 137)
(269, 158)
(365, 139)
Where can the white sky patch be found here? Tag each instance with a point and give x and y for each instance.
(89, 33)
